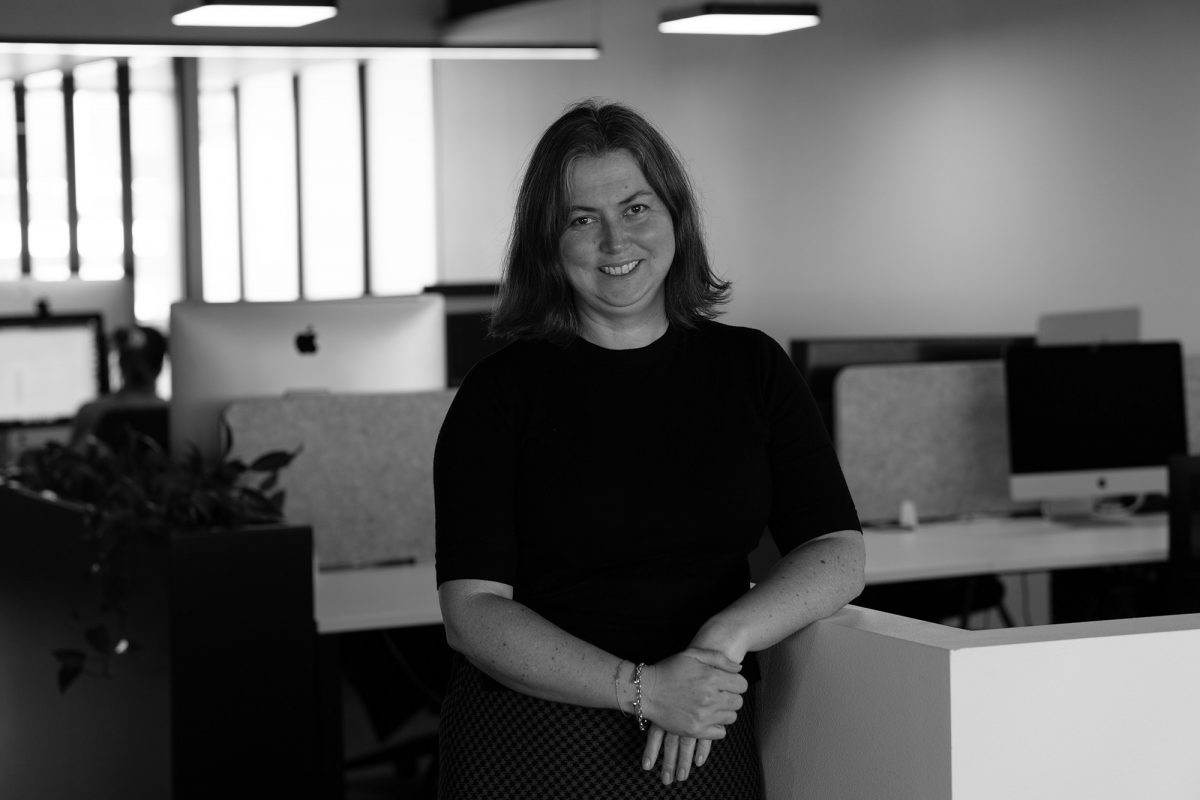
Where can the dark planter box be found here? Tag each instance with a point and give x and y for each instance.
(219, 701)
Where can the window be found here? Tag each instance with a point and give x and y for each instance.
(220, 231)
(10, 211)
(103, 198)
(318, 182)
(331, 181)
(267, 145)
(98, 188)
(156, 233)
(45, 152)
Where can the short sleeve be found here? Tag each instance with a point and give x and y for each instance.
(474, 480)
(810, 497)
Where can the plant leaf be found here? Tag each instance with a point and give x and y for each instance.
(270, 462)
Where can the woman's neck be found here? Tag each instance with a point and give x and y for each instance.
(623, 337)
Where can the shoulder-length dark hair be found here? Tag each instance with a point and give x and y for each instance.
(535, 300)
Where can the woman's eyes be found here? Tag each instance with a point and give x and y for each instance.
(635, 210)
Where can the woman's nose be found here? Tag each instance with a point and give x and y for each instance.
(613, 238)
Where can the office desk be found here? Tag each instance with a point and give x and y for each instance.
(385, 597)
(376, 597)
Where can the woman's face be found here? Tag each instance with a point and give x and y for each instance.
(618, 244)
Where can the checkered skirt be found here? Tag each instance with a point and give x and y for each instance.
(497, 744)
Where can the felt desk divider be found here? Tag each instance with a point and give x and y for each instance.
(364, 477)
(937, 434)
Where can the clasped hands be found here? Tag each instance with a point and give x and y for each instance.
(689, 698)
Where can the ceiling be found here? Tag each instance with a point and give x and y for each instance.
(418, 27)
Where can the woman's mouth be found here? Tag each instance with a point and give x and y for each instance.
(624, 268)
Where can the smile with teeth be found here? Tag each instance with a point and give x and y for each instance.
(620, 269)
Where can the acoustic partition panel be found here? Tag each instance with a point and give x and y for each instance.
(364, 476)
(934, 434)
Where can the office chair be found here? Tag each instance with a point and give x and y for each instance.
(399, 674)
(1183, 524)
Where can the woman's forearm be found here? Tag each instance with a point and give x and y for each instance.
(809, 583)
(525, 652)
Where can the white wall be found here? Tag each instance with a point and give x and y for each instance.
(935, 166)
(869, 705)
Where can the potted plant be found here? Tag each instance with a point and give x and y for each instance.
(132, 497)
(172, 561)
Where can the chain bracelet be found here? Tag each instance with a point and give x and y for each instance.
(637, 697)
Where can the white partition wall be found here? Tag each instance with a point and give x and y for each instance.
(871, 705)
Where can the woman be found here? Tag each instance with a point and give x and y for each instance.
(600, 482)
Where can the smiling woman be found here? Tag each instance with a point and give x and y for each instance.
(599, 484)
(616, 251)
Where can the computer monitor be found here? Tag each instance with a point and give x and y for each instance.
(1087, 422)
(49, 367)
(111, 299)
(222, 352)
(820, 360)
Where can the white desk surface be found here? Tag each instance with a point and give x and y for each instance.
(998, 545)
(384, 597)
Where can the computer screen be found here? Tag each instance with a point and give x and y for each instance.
(820, 360)
(49, 367)
(1094, 421)
(221, 352)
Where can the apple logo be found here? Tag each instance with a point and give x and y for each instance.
(306, 341)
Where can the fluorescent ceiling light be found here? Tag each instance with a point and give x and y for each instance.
(261, 14)
(756, 19)
(533, 52)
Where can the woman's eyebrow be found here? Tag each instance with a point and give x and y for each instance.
(627, 200)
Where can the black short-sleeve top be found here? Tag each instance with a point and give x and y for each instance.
(619, 492)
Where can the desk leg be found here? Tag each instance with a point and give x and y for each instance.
(330, 746)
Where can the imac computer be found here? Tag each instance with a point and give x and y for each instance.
(222, 352)
(1087, 422)
(113, 300)
(49, 367)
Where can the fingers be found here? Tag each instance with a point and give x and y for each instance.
(654, 740)
(670, 753)
(714, 658)
(679, 753)
(730, 681)
(687, 752)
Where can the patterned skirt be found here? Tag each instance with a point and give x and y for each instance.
(498, 744)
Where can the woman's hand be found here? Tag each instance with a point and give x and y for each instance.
(690, 697)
